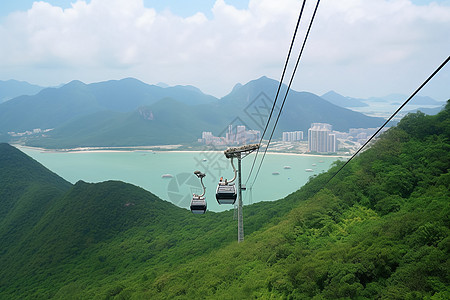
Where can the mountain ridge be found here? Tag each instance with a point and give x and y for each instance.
(10, 89)
(343, 101)
(78, 107)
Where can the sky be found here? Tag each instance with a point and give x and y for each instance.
(358, 48)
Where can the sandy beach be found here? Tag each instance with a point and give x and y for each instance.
(166, 148)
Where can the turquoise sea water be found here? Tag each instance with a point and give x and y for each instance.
(145, 169)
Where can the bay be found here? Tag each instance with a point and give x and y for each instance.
(280, 174)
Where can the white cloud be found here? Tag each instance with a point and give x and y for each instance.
(357, 47)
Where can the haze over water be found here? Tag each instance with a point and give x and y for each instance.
(145, 169)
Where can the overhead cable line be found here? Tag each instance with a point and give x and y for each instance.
(390, 118)
(287, 91)
(279, 85)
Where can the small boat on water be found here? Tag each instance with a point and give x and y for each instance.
(167, 176)
(287, 167)
(309, 170)
(275, 173)
(314, 164)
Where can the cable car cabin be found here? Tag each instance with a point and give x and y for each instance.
(226, 193)
(198, 205)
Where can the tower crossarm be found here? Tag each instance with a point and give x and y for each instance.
(237, 151)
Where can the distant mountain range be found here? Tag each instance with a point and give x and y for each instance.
(129, 112)
(399, 98)
(349, 102)
(343, 101)
(12, 88)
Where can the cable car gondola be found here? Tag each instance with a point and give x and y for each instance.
(198, 202)
(226, 190)
(226, 193)
(198, 205)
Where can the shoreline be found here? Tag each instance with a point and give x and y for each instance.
(166, 148)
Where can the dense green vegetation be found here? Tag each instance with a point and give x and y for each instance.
(56, 236)
(378, 230)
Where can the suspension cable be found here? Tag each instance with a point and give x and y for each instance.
(287, 91)
(390, 118)
(279, 85)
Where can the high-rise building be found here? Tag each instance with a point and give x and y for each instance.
(241, 137)
(298, 135)
(253, 136)
(321, 139)
(292, 136)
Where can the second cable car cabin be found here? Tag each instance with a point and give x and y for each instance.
(198, 203)
(226, 190)
(226, 193)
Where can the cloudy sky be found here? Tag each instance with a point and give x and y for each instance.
(358, 48)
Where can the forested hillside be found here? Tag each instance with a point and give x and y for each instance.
(378, 230)
(59, 239)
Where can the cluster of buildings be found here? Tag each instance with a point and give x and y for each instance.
(292, 136)
(29, 132)
(321, 138)
(233, 136)
(358, 135)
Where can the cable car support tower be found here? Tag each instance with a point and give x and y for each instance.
(240, 153)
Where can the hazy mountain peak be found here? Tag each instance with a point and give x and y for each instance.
(162, 84)
(75, 83)
(236, 87)
(132, 80)
(343, 101)
(189, 87)
(331, 93)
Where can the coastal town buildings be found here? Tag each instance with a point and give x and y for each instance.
(292, 136)
(234, 136)
(321, 138)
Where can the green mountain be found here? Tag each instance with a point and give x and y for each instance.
(53, 107)
(53, 232)
(12, 88)
(167, 121)
(27, 190)
(128, 94)
(48, 109)
(107, 120)
(378, 230)
(300, 110)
